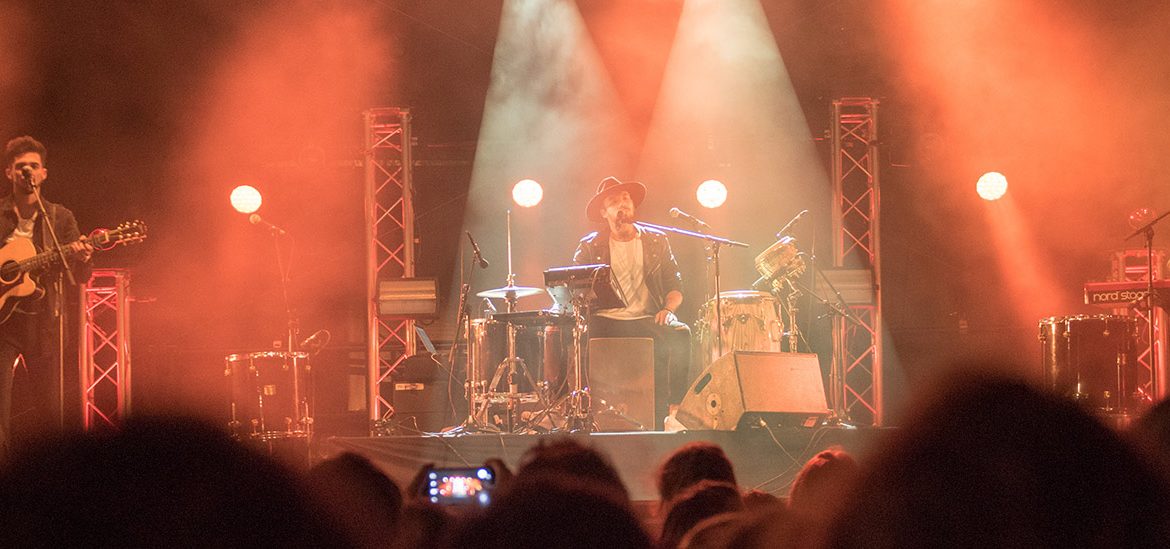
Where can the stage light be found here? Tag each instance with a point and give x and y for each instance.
(711, 193)
(246, 199)
(527, 193)
(992, 186)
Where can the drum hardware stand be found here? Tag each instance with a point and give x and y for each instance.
(714, 242)
(511, 366)
(1151, 300)
(588, 291)
(793, 329)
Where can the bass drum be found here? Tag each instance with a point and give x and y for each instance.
(1091, 360)
(751, 322)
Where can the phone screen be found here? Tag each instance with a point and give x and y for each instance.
(460, 486)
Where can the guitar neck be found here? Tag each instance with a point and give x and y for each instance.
(42, 260)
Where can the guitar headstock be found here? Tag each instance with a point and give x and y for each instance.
(126, 233)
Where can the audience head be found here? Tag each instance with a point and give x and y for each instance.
(358, 497)
(540, 511)
(424, 525)
(759, 499)
(156, 482)
(567, 458)
(691, 463)
(698, 502)
(989, 461)
(822, 483)
(1152, 433)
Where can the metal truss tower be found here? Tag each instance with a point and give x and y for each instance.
(390, 248)
(105, 348)
(856, 380)
(1133, 266)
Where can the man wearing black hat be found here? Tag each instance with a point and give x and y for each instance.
(645, 270)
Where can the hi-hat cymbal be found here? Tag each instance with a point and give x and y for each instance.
(509, 292)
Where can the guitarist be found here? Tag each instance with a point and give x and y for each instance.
(35, 328)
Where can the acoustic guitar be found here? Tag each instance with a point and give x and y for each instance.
(19, 260)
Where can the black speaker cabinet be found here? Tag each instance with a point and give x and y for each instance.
(621, 383)
(743, 387)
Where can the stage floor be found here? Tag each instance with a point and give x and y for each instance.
(763, 460)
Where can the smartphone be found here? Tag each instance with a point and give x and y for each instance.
(460, 486)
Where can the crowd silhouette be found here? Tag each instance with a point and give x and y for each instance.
(984, 461)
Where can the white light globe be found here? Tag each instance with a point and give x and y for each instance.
(711, 193)
(527, 193)
(991, 186)
(246, 199)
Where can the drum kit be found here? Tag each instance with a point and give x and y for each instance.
(526, 370)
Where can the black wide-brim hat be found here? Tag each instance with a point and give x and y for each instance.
(612, 185)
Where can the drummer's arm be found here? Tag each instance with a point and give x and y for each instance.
(673, 300)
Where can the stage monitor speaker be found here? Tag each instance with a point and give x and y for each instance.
(621, 383)
(744, 387)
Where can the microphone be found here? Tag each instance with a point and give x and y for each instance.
(675, 212)
(483, 263)
(255, 219)
(784, 230)
(318, 340)
(27, 173)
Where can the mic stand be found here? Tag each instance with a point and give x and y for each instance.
(715, 242)
(57, 304)
(293, 334)
(471, 423)
(839, 415)
(1148, 231)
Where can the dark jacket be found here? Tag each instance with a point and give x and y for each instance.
(658, 262)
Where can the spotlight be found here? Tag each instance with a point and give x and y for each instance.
(991, 186)
(527, 193)
(711, 193)
(246, 199)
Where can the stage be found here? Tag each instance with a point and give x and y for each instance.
(763, 460)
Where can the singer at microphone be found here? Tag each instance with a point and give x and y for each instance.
(33, 226)
(646, 275)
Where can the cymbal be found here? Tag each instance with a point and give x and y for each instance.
(509, 292)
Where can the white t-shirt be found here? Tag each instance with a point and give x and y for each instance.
(24, 227)
(625, 259)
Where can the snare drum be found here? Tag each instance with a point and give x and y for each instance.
(751, 322)
(544, 350)
(270, 394)
(1091, 359)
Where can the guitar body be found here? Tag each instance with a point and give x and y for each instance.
(19, 258)
(15, 283)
